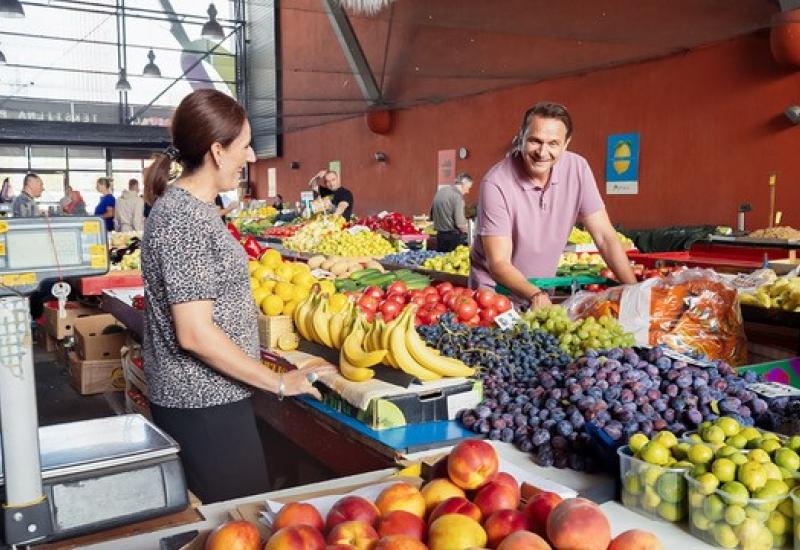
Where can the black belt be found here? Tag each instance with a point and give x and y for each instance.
(450, 232)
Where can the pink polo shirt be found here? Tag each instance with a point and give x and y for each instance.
(537, 220)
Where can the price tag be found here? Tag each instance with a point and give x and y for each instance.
(508, 319)
(99, 262)
(3, 227)
(91, 228)
(773, 389)
(19, 279)
(2, 249)
(321, 274)
(97, 250)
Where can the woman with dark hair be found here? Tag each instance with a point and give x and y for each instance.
(105, 208)
(201, 344)
(6, 194)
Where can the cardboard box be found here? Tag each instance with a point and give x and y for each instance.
(95, 376)
(273, 327)
(99, 337)
(60, 328)
(132, 367)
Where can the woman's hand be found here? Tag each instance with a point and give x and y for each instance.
(296, 381)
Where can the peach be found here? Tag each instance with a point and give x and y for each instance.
(340, 547)
(578, 523)
(296, 537)
(472, 463)
(636, 539)
(298, 513)
(438, 491)
(502, 523)
(401, 496)
(504, 478)
(538, 510)
(355, 533)
(234, 535)
(352, 508)
(455, 531)
(524, 540)
(399, 542)
(456, 505)
(495, 496)
(404, 523)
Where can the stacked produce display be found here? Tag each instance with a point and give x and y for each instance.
(411, 258)
(467, 503)
(392, 224)
(124, 250)
(783, 293)
(456, 262)
(277, 286)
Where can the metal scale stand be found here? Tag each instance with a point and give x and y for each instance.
(76, 478)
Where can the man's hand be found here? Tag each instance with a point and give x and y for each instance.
(540, 299)
(321, 174)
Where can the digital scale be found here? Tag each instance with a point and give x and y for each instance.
(79, 477)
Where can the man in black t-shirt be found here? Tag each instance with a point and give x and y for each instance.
(341, 198)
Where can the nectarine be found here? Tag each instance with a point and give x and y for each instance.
(456, 505)
(298, 513)
(234, 535)
(524, 540)
(504, 478)
(399, 542)
(400, 522)
(352, 508)
(495, 496)
(355, 533)
(455, 531)
(538, 510)
(438, 491)
(578, 523)
(401, 496)
(296, 537)
(636, 539)
(502, 523)
(472, 463)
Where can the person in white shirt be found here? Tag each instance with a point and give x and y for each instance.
(129, 211)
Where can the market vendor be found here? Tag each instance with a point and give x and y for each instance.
(201, 344)
(528, 204)
(447, 213)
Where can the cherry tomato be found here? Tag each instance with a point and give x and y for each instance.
(397, 287)
(432, 298)
(368, 303)
(488, 314)
(444, 288)
(502, 303)
(474, 322)
(400, 299)
(466, 309)
(374, 291)
(430, 291)
(390, 309)
(485, 297)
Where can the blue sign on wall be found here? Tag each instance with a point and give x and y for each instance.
(622, 164)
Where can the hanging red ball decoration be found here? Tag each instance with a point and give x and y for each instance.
(784, 38)
(380, 121)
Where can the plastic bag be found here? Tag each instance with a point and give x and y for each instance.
(694, 311)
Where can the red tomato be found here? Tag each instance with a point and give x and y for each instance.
(418, 300)
(399, 298)
(390, 309)
(466, 309)
(444, 288)
(368, 303)
(374, 291)
(412, 293)
(607, 273)
(417, 321)
(424, 314)
(440, 309)
(368, 315)
(432, 298)
(430, 291)
(474, 322)
(485, 297)
(594, 287)
(502, 303)
(397, 287)
(488, 314)
(450, 298)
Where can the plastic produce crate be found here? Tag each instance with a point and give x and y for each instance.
(653, 491)
(785, 371)
(723, 519)
(558, 282)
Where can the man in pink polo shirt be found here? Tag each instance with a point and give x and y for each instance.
(528, 204)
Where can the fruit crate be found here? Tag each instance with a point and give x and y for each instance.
(688, 438)
(271, 328)
(735, 521)
(560, 282)
(653, 491)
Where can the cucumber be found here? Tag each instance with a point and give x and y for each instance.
(358, 275)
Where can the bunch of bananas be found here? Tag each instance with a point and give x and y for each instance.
(783, 293)
(363, 345)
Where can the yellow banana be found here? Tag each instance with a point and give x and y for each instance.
(321, 322)
(397, 345)
(439, 364)
(387, 332)
(380, 326)
(309, 318)
(353, 373)
(354, 353)
(336, 328)
(300, 314)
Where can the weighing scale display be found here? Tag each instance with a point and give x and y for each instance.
(34, 250)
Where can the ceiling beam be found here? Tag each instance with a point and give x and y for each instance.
(789, 5)
(352, 51)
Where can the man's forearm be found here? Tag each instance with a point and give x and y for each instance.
(504, 273)
(616, 259)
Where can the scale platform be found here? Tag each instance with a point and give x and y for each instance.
(102, 473)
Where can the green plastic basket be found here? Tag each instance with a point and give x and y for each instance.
(556, 282)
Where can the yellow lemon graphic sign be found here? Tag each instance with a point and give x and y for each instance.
(622, 157)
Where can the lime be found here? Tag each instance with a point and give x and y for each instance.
(724, 469)
(629, 500)
(696, 499)
(750, 433)
(794, 443)
(684, 464)
(713, 507)
(650, 476)
(735, 493)
(700, 521)
(700, 454)
(728, 425)
(714, 434)
(758, 455)
(725, 536)
(773, 472)
(695, 438)
(755, 443)
(637, 441)
(786, 458)
(734, 515)
(753, 511)
(778, 524)
(725, 451)
(650, 500)
(681, 450)
(752, 475)
(738, 441)
(671, 488)
(707, 483)
(667, 439)
(671, 511)
(770, 435)
(772, 488)
(632, 484)
(655, 453)
(771, 445)
(704, 426)
(787, 475)
(698, 470)
(738, 458)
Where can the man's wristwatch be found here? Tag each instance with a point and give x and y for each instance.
(281, 389)
(533, 296)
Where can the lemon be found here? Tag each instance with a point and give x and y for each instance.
(337, 303)
(272, 305)
(773, 488)
(681, 450)
(753, 475)
(708, 483)
(725, 451)
(724, 469)
(700, 454)
(303, 278)
(667, 439)
(262, 272)
(301, 292)
(787, 458)
(734, 515)
(290, 306)
(735, 493)
(285, 291)
(738, 458)
(671, 488)
(327, 286)
(284, 273)
(632, 484)
(758, 455)
(300, 267)
(288, 341)
(655, 453)
(269, 285)
(773, 471)
(771, 445)
(728, 425)
(671, 511)
(271, 258)
(259, 294)
(254, 283)
(750, 433)
(700, 521)
(725, 536)
(713, 507)
(714, 434)
(738, 441)
(252, 265)
(650, 500)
